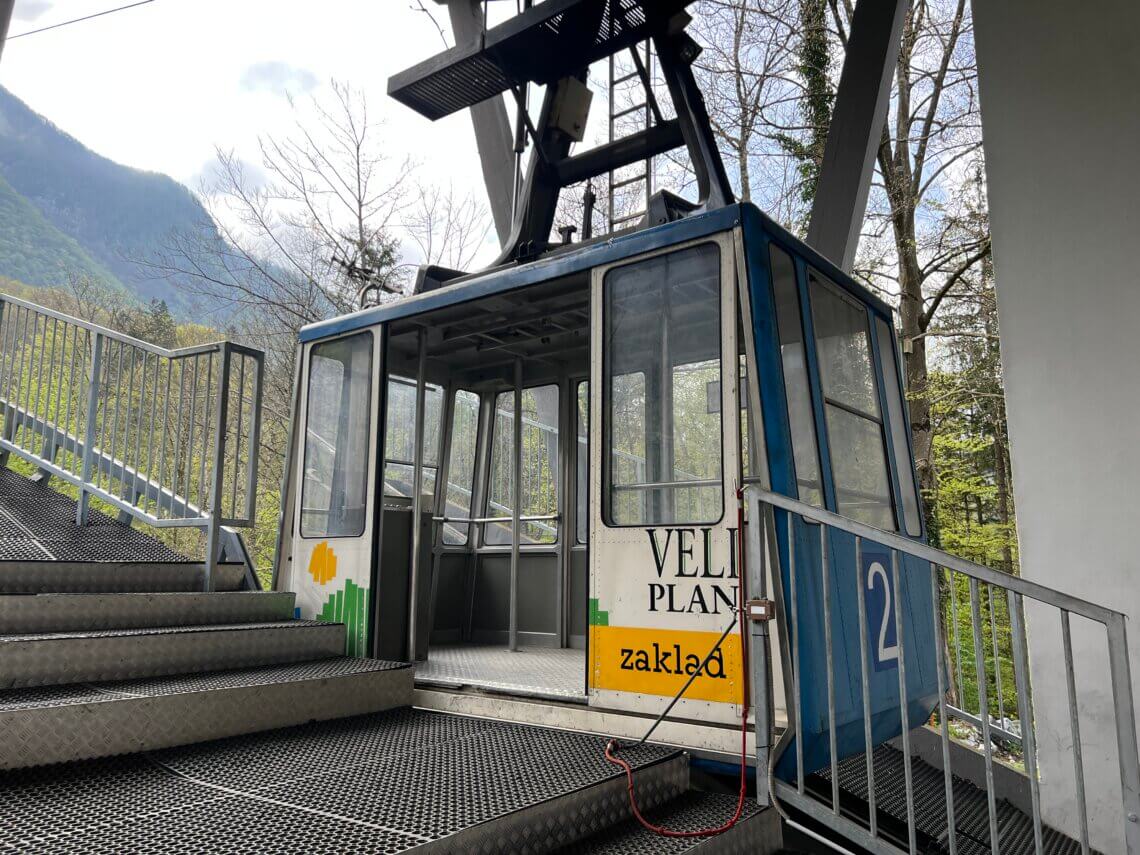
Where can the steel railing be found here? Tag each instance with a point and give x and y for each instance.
(168, 437)
(961, 592)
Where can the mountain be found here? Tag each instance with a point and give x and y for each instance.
(65, 208)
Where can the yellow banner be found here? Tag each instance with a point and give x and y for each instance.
(659, 661)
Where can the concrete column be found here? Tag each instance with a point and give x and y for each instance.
(1060, 97)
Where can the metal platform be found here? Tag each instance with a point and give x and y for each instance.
(382, 783)
(554, 39)
(971, 810)
(63, 723)
(691, 812)
(535, 672)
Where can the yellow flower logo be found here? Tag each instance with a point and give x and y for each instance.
(322, 563)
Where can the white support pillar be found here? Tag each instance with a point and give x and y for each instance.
(1061, 120)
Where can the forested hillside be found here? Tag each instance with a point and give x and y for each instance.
(33, 250)
(95, 216)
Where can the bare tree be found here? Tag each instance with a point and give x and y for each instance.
(448, 229)
(296, 240)
(930, 144)
(747, 74)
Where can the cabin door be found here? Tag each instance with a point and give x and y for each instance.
(664, 457)
(333, 519)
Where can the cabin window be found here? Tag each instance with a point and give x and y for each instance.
(582, 465)
(899, 427)
(334, 491)
(461, 466)
(851, 404)
(661, 357)
(789, 322)
(539, 467)
(400, 437)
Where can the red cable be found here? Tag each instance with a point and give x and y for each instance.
(613, 746)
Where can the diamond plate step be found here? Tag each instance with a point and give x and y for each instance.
(47, 659)
(386, 783)
(104, 577)
(31, 613)
(757, 831)
(63, 723)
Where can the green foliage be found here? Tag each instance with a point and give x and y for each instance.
(813, 65)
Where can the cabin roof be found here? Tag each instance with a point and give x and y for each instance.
(510, 278)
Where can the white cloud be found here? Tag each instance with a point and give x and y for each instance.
(278, 78)
(29, 10)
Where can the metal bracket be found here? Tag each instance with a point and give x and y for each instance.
(760, 610)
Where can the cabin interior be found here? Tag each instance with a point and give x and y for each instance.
(666, 314)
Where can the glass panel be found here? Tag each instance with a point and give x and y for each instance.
(851, 401)
(582, 465)
(461, 466)
(805, 452)
(661, 359)
(334, 490)
(539, 466)
(899, 427)
(844, 348)
(400, 436)
(861, 484)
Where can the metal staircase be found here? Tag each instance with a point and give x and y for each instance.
(110, 670)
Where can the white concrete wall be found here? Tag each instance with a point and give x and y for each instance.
(1060, 95)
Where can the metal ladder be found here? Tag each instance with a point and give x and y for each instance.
(625, 121)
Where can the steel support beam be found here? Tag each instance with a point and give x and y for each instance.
(6, 7)
(856, 129)
(493, 136)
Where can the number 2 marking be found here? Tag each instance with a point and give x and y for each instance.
(885, 652)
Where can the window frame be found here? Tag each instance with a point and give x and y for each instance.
(581, 490)
(370, 408)
(831, 486)
(819, 450)
(902, 441)
(429, 389)
(445, 468)
(605, 437)
(483, 541)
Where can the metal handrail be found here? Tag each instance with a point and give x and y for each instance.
(169, 437)
(943, 568)
(484, 520)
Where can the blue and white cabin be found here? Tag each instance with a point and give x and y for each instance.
(526, 479)
(621, 570)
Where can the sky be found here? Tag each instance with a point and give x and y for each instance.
(159, 86)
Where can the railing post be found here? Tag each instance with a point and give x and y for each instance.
(89, 427)
(1125, 715)
(6, 413)
(214, 524)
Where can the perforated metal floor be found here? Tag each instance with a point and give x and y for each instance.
(38, 524)
(691, 812)
(971, 807)
(387, 783)
(541, 672)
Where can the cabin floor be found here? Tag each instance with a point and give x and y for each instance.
(538, 672)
